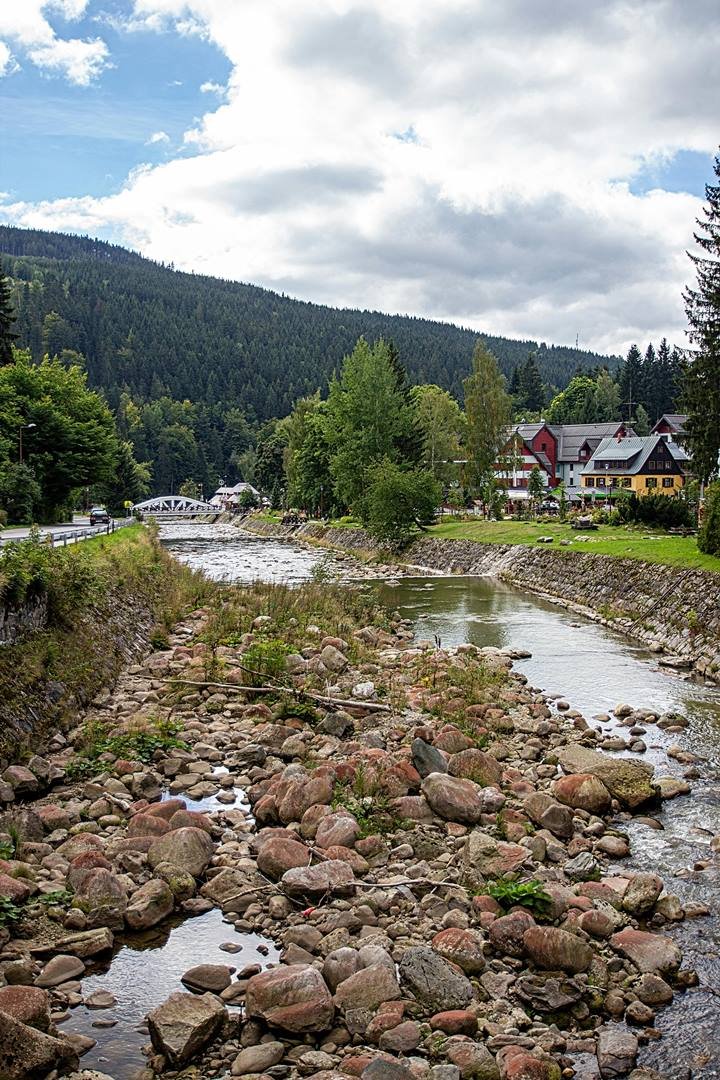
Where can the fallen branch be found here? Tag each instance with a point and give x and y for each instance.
(340, 703)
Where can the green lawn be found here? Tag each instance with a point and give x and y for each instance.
(649, 545)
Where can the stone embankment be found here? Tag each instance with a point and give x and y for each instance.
(673, 610)
(433, 847)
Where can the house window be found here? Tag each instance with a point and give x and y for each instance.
(601, 481)
(652, 465)
(625, 482)
(589, 481)
(650, 481)
(668, 482)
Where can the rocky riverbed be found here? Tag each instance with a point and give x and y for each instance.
(430, 843)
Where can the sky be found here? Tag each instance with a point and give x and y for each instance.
(530, 168)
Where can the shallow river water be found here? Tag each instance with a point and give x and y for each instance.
(593, 669)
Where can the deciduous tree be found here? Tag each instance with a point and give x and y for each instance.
(488, 410)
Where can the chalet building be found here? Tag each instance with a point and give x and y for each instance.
(228, 497)
(560, 451)
(653, 464)
(671, 425)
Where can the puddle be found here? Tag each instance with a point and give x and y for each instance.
(145, 969)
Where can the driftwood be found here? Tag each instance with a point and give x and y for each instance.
(337, 703)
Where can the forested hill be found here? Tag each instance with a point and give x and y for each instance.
(156, 331)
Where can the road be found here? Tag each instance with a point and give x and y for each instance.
(63, 532)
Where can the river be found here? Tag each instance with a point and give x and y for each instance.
(594, 669)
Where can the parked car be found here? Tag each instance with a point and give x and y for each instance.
(99, 516)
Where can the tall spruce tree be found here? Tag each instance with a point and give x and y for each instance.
(531, 385)
(8, 337)
(701, 390)
(630, 382)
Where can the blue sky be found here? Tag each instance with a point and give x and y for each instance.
(62, 140)
(528, 169)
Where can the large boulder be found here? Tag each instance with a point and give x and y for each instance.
(299, 794)
(550, 815)
(554, 949)
(337, 830)
(331, 877)
(616, 1052)
(486, 857)
(182, 1025)
(83, 943)
(149, 905)
(453, 798)
(473, 764)
(25, 1051)
(461, 947)
(582, 791)
(631, 782)
(189, 849)
(368, 988)
(59, 970)
(294, 998)
(102, 897)
(641, 894)
(28, 1004)
(650, 953)
(434, 982)
(278, 854)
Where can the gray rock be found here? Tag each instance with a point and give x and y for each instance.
(333, 876)
(433, 981)
(182, 1025)
(152, 902)
(256, 1059)
(368, 988)
(208, 977)
(427, 759)
(59, 970)
(616, 1052)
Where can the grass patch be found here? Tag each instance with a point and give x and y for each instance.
(627, 542)
(138, 742)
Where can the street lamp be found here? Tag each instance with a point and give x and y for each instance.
(24, 427)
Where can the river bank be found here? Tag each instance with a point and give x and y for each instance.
(435, 857)
(674, 611)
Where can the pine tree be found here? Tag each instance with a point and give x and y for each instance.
(701, 390)
(7, 320)
(648, 390)
(531, 385)
(630, 381)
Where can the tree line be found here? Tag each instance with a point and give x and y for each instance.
(640, 391)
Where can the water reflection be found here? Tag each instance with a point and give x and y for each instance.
(145, 969)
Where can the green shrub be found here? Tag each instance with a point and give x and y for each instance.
(265, 660)
(709, 535)
(529, 894)
(665, 511)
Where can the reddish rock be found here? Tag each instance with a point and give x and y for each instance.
(506, 933)
(165, 809)
(279, 854)
(452, 740)
(183, 819)
(555, 949)
(147, 825)
(294, 998)
(476, 765)
(651, 953)
(354, 859)
(517, 1064)
(337, 830)
(462, 947)
(149, 904)
(14, 889)
(300, 793)
(387, 1017)
(311, 820)
(453, 798)
(582, 791)
(596, 923)
(455, 1022)
(28, 1004)
(54, 817)
(368, 988)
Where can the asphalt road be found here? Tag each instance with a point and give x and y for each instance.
(80, 521)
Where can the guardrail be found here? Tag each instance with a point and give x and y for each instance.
(63, 537)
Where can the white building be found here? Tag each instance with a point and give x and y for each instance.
(229, 496)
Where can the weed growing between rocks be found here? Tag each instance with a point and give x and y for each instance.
(528, 894)
(139, 741)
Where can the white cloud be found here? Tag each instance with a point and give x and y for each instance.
(158, 137)
(211, 88)
(464, 160)
(7, 62)
(24, 23)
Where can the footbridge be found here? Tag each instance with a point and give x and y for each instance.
(174, 507)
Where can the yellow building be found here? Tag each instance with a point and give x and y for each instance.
(650, 465)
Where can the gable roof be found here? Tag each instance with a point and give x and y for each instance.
(631, 454)
(676, 421)
(571, 437)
